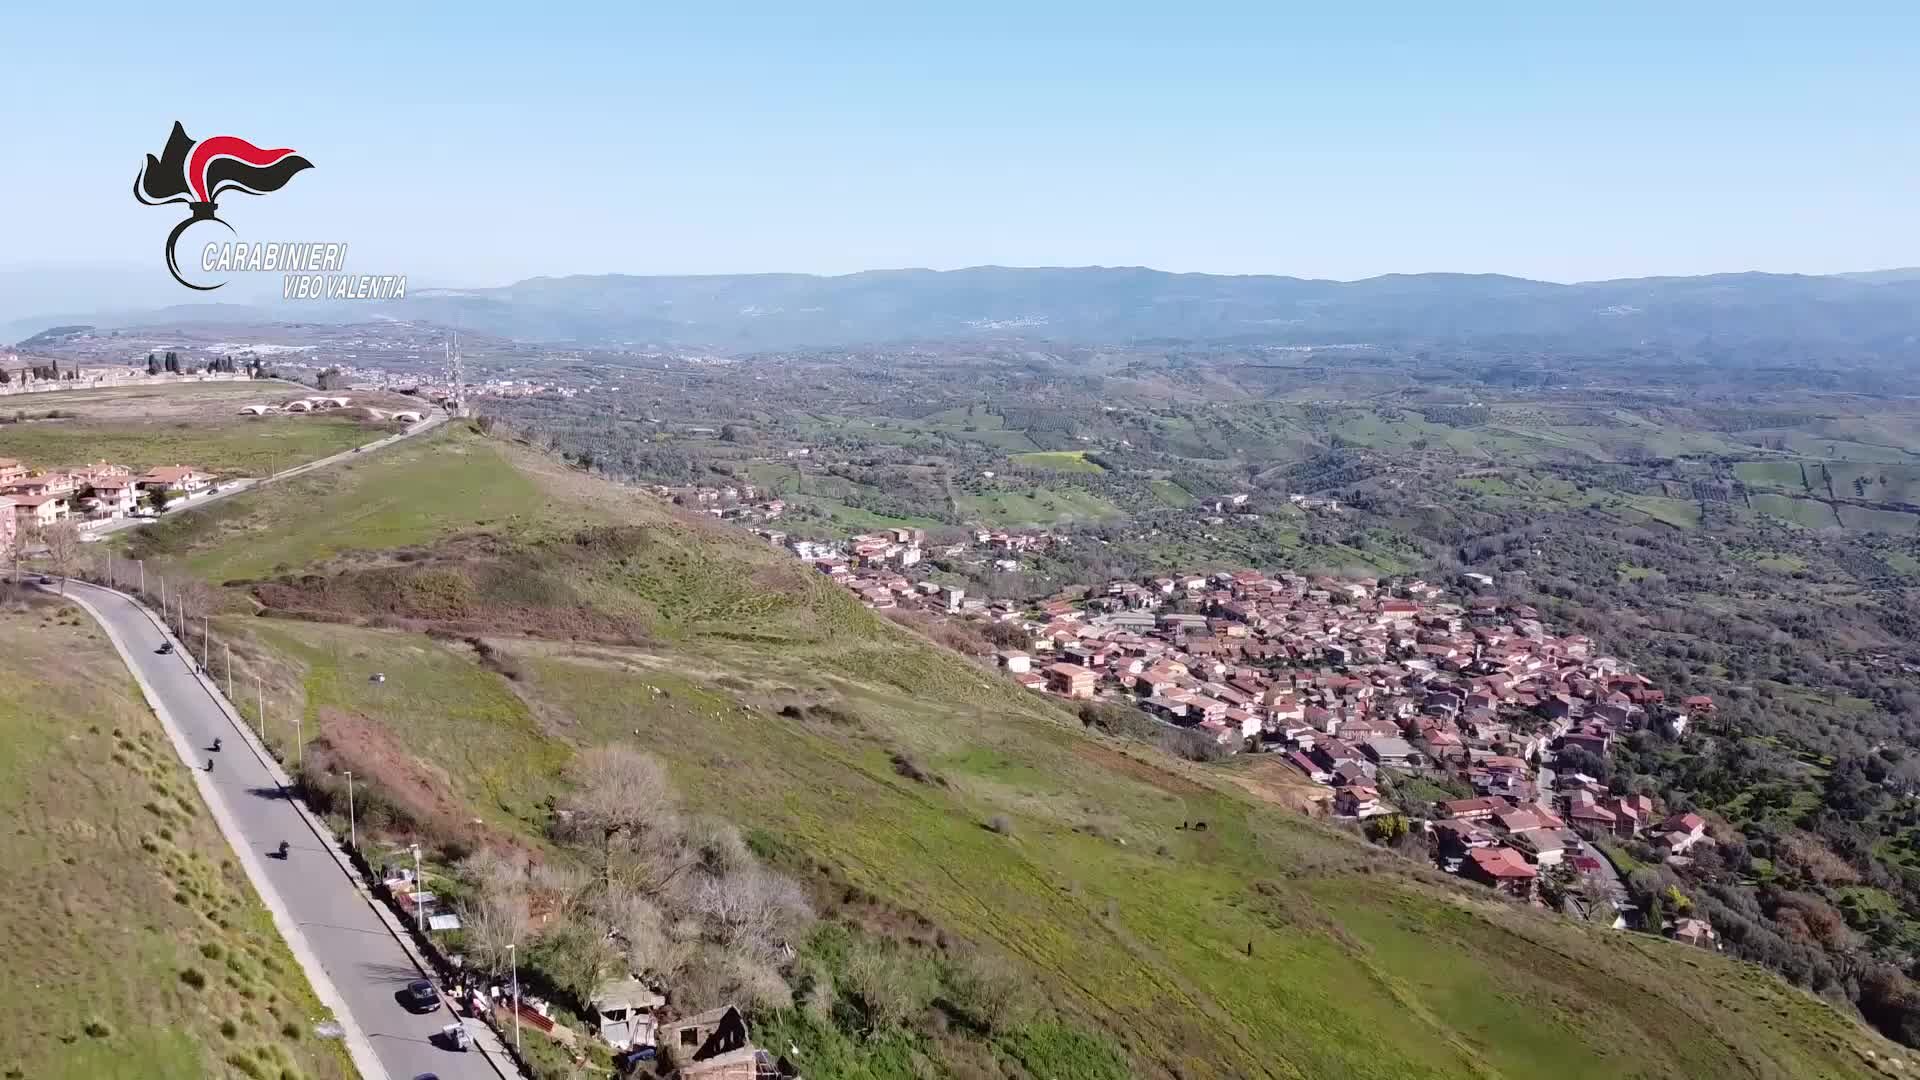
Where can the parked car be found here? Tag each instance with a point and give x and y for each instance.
(166, 648)
(420, 997)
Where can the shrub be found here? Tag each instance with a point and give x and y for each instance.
(1116, 718)
(97, 1029)
(194, 978)
(888, 986)
(1192, 745)
(988, 993)
(911, 769)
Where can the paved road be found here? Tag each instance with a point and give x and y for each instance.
(1543, 781)
(1607, 877)
(107, 528)
(358, 953)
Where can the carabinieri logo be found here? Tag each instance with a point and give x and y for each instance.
(198, 173)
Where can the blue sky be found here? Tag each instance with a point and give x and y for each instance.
(479, 144)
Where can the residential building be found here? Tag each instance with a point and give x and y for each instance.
(110, 498)
(1502, 868)
(184, 478)
(1071, 680)
(39, 511)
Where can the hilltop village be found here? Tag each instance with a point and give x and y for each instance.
(1362, 686)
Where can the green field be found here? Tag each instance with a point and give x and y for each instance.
(136, 948)
(1878, 483)
(1872, 520)
(1679, 513)
(1058, 461)
(1780, 562)
(1045, 507)
(1774, 475)
(412, 493)
(1810, 513)
(230, 446)
(1171, 493)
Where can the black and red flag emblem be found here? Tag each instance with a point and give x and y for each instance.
(199, 172)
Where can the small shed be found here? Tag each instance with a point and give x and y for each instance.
(624, 1008)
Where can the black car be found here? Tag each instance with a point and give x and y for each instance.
(420, 997)
(166, 648)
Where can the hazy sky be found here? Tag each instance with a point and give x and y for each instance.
(477, 145)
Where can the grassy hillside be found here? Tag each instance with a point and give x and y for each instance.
(134, 945)
(872, 764)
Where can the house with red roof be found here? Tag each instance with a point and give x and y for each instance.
(1503, 869)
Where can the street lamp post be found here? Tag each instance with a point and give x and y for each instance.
(514, 968)
(143, 576)
(299, 749)
(260, 707)
(228, 649)
(419, 910)
(353, 829)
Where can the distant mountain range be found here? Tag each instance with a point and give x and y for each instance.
(1877, 311)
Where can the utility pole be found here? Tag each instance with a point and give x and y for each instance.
(514, 967)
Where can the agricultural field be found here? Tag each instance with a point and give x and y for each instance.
(1870, 519)
(1679, 513)
(1809, 513)
(1171, 493)
(183, 423)
(1774, 475)
(135, 946)
(1058, 461)
(1877, 483)
(873, 762)
(1046, 506)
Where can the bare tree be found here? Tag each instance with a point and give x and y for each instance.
(658, 946)
(753, 910)
(621, 798)
(62, 539)
(497, 916)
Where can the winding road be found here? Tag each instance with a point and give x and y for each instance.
(354, 959)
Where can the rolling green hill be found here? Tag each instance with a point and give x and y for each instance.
(521, 613)
(136, 948)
